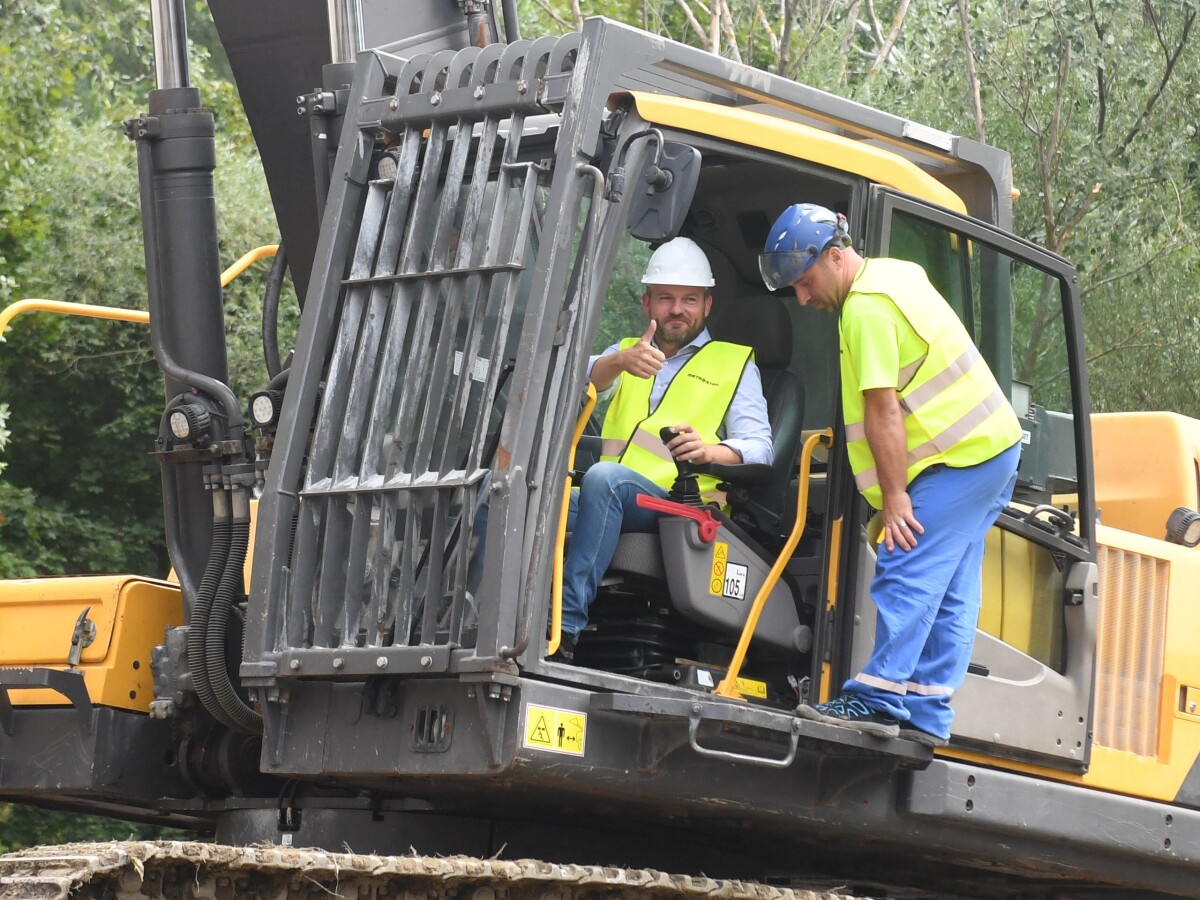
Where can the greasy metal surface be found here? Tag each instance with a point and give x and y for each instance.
(167, 868)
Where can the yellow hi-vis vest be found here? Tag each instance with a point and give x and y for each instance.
(699, 394)
(954, 411)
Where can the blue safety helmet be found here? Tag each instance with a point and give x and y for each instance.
(797, 238)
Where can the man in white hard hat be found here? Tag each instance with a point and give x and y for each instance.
(675, 375)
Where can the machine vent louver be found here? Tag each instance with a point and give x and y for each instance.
(1130, 646)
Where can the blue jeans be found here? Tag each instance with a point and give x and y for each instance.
(603, 506)
(928, 597)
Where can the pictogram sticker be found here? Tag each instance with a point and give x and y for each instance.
(716, 578)
(555, 730)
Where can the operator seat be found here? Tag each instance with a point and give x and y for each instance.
(762, 322)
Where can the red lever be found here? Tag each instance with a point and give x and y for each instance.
(703, 517)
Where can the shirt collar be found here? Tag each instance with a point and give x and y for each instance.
(694, 344)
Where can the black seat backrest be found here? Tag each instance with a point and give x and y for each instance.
(762, 322)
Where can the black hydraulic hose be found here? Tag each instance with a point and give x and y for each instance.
(203, 383)
(237, 713)
(202, 606)
(270, 312)
(187, 584)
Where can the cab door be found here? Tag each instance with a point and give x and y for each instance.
(1029, 691)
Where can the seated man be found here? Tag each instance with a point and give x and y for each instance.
(709, 392)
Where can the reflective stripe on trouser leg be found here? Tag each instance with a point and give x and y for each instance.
(956, 507)
(603, 507)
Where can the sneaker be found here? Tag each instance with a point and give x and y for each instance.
(913, 733)
(566, 650)
(847, 711)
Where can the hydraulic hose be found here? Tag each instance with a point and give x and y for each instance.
(270, 312)
(202, 607)
(236, 712)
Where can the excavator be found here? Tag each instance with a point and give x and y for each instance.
(355, 648)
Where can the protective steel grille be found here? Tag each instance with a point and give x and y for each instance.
(428, 319)
(1130, 642)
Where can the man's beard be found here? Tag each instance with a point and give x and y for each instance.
(686, 337)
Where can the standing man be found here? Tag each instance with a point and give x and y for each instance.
(709, 392)
(934, 445)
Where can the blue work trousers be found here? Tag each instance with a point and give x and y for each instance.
(928, 597)
(604, 505)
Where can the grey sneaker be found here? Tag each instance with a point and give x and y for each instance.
(847, 711)
(913, 733)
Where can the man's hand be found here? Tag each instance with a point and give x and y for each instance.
(900, 525)
(884, 424)
(687, 446)
(643, 359)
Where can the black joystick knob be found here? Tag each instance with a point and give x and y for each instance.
(686, 489)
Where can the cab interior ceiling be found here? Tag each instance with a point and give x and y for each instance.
(737, 200)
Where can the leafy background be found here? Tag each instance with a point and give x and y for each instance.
(1094, 99)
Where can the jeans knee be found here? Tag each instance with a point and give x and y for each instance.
(601, 474)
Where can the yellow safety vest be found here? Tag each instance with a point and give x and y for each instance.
(954, 411)
(699, 394)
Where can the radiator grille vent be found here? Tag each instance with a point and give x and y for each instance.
(1130, 640)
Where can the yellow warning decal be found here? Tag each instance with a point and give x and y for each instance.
(748, 687)
(716, 579)
(555, 730)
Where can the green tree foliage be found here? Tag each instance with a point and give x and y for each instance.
(27, 826)
(72, 231)
(1094, 100)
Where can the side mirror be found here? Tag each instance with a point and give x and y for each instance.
(663, 193)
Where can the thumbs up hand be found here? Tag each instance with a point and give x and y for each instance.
(643, 359)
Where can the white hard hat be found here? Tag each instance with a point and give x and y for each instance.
(679, 261)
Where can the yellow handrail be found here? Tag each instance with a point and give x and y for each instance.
(727, 686)
(246, 261)
(556, 603)
(116, 313)
(61, 307)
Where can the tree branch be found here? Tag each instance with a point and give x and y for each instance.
(972, 75)
(692, 20)
(1172, 60)
(726, 20)
(890, 41)
(762, 18)
(554, 17)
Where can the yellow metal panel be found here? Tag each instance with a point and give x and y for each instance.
(991, 612)
(798, 140)
(1146, 466)
(131, 615)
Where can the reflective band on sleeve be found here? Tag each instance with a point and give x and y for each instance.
(930, 690)
(883, 684)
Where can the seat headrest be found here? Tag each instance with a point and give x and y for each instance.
(759, 321)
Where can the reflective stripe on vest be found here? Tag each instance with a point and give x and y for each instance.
(699, 394)
(954, 411)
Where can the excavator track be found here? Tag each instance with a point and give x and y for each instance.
(134, 870)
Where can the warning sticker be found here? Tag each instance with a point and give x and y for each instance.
(716, 579)
(748, 687)
(555, 730)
